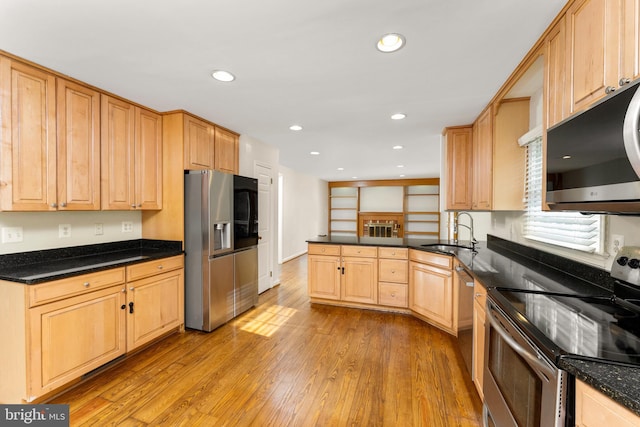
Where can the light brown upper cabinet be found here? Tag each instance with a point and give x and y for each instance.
(226, 151)
(459, 164)
(554, 74)
(78, 147)
(594, 53)
(42, 170)
(199, 149)
(631, 40)
(498, 160)
(483, 160)
(131, 156)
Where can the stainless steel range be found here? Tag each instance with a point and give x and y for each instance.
(535, 324)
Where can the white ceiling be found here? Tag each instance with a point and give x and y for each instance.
(312, 63)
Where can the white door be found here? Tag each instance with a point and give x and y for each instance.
(265, 180)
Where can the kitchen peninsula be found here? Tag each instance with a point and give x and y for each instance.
(497, 263)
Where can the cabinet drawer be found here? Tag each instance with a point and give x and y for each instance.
(146, 269)
(315, 249)
(71, 286)
(360, 251)
(438, 260)
(394, 253)
(393, 270)
(393, 294)
(480, 294)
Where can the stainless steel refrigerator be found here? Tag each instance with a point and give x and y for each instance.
(221, 245)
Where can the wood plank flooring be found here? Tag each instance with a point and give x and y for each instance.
(288, 363)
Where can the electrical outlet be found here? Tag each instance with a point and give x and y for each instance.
(64, 230)
(11, 234)
(99, 229)
(127, 226)
(615, 243)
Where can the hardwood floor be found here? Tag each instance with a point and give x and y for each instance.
(288, 363)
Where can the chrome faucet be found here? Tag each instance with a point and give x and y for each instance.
(456, 224)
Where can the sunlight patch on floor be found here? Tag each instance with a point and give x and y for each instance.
(269, 321)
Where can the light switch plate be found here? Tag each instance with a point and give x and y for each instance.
(99, 229)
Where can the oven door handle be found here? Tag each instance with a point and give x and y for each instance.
(533, 358)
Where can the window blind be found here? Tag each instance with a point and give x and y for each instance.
(566, 229)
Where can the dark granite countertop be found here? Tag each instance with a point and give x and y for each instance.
(501, 263)
(41, 266)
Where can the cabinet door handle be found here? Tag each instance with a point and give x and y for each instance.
(609, 89)
(131, 307)
(86, 284)
(123, 306)
(624, 81)
(132, 288)
(159, 267)
(133, 205)
(342, 270)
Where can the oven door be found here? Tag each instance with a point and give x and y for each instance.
(521, 386)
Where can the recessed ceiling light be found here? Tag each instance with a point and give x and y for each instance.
(400, 166)
(398, 147)
(223, 76)
(315, 153)
(390, 42)
(398, 116)
(295, 127)
(340, 169)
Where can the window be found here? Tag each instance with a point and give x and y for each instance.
(567, 229)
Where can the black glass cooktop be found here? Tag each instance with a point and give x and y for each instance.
(591, 327)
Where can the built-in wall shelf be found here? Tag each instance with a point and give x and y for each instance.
(385, 208)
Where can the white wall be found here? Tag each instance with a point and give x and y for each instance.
(304, 211)
(40, 229)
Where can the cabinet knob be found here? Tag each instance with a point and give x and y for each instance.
(133, 205)
(124, 290)
(609, 89)
(478, 295)
(160, 267)
(393, 294)
(393, 272)
(624, 81)
(139, 205)
(86, 284)
(132, 288)
(54, 205)
(63, 204)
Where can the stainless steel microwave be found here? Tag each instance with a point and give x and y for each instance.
(593, 157)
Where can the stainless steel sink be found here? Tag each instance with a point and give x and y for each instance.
(441, 247)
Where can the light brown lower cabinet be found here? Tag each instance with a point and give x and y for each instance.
(155, 306)
(323, 268)
(594, 409)
(343, 273)
(431, 288)
(393, 277)
(73, 336)
(479, 322)
(60, 330)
